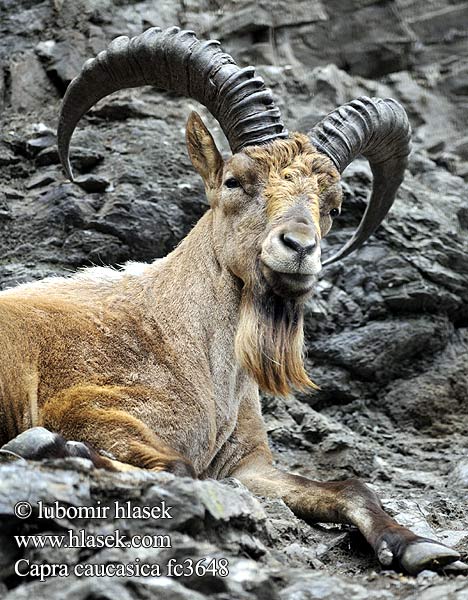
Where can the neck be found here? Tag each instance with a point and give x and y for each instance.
(195, 287)
(255, 329)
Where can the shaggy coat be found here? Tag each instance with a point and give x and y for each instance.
(159, 365)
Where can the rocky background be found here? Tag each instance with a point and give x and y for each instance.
(387, 331)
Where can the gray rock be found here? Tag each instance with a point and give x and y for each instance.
(63, 59)
(458, 477)
(40, 180)
(380, 350)
(29, 86)
(315, 586)
(92, 183)
(106, 588)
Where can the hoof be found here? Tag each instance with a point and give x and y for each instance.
(36, 443)
(427, 554)
(78, 449)
(456, 568)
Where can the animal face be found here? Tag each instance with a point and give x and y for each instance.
(271, 207)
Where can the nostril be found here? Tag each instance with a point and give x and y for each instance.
(291, 241)
(298, 243)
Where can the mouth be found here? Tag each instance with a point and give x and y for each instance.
(288, 285)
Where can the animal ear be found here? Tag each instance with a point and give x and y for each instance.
(203, 152)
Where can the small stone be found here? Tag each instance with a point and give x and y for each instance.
(84, 158)
(48, 156)
(92, 183)
(426, 575)
(40, 180)
(456, 568)
(11, 193)
(35, 145)
(7, 157)
(5, 212)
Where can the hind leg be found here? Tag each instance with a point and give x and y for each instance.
(99, 419)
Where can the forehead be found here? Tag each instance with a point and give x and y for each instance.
(282, 158)
(291, 171)
(296, 153)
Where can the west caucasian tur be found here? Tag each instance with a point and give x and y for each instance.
(159, 366)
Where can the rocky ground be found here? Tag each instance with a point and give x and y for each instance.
(387, 330)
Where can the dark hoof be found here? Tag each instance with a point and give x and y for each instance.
(399, 548)
(426, 554)
(456, 568)
(78, 449)
(36, 443)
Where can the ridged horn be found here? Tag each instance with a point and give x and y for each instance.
(177, 61)
(379, 130)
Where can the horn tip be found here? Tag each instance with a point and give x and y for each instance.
(66, 166)
(69, 173)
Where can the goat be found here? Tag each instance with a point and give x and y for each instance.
(159, 367)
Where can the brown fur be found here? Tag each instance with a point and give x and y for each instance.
(294, 169)
(159, 365)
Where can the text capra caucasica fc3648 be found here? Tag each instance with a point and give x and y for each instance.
(160, 368)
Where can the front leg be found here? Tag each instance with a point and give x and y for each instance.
(350, 502)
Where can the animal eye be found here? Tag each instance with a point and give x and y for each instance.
(334, 212)
(232, 183)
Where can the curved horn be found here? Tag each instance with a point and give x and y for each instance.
(175, 60)
(379, 130)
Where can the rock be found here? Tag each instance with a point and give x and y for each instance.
(315, 586)
(29, 86)
(84, 159)
(458, 476)
(92, 183)
(40, 180)
(386, 331)
(119, 109)
(382, 349)
(40, 143)
(5, 212)
(434, 398)
(11, 193)
(410, 514)
(453, 538)
(106, 588)
(246, 576)
(222, 509)
(47, 156)
(63, 59)
(7, 157)
(317, 427)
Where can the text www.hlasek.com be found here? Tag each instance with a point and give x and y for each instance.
(80, 539)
